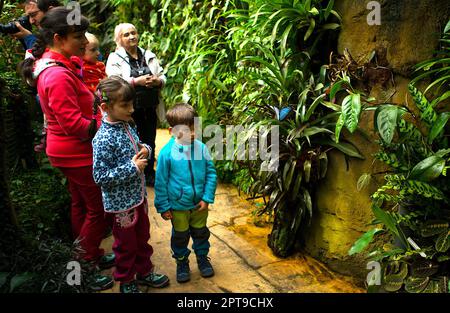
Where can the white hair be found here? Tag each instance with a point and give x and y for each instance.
(91, 37)
(118, 32)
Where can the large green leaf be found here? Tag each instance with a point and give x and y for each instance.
(387, 220)
(338, 86)
(438, 126)
(428, 169)
(386, 122)
(351, 109)
(363, 241)
(19, 279)
(346, 148)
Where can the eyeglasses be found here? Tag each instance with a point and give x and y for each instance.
(33, 14)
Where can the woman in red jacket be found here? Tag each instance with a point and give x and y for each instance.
(67, 103)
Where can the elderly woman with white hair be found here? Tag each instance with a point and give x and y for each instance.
(141, 69)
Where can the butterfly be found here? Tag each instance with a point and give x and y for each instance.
(283, 113)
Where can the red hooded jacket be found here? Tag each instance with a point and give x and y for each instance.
(68, 106)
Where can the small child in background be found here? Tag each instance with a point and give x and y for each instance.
(93, 70)
(119, 162)
(185, 185)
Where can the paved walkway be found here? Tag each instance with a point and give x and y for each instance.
(239, 253)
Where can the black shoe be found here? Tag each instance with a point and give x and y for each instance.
(154, 280)
(130, 287)
(183, 271)
(107, 261)
(100, 282)
(204, 265)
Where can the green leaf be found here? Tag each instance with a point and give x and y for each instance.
(3, 278)
(331, 26)
(443, 242)
(416, 284)
(19, 279)
(434, 227)
(363, 241)
(307, 170)
(351, 109)
(308, 201)
(328, 9)
(339, 125)
(363, 181)
(386, 122)
(297, 185)
(347, 148)
(311, 27)
(428, 169)
(438, 126)
(447, 27)
(386, 219)
(338, 86)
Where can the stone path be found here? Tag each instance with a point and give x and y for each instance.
(239, 253)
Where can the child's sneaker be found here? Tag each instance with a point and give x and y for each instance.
(130, 287)
(106, 261)
(100, 282)
(205, 267)
(183, 270)
(154, 280)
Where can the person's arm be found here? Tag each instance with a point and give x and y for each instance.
(162, 203)
(29, 41)
(63, 100)
(104, 172)
(211, 178)
(114, 66)
(159, 72)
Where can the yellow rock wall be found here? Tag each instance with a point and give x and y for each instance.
(409, 33)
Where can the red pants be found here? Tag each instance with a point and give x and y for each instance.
(88, 216)
(131, 231)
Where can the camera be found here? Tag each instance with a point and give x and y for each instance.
(11, 27)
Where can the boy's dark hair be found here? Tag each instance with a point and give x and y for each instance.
(181, 114)
(109, 91)
(54, 22)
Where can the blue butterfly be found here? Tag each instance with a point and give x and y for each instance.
(281, 114)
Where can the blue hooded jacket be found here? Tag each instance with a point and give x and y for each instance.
(185, 175)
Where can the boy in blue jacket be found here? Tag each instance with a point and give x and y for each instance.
(185, 185)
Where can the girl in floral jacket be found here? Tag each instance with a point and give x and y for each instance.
(119, 163)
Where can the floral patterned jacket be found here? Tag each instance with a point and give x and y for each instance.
(122, 184)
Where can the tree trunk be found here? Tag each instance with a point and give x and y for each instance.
(7, 212)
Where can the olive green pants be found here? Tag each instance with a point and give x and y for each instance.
(187, 224)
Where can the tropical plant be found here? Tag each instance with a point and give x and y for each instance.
(438, 70)
(413, 204)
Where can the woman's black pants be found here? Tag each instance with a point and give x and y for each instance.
(146, 120)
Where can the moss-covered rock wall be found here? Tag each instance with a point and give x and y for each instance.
(408, 34)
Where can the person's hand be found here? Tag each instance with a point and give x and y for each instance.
(202, 206)
(141, 80)
(167, 215)
(153, 81)
(22, 33)
(140, 163)
(143, 153)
